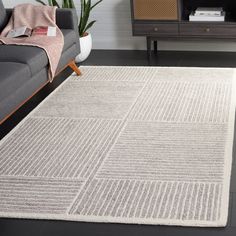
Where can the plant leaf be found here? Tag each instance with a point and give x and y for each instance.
(50, 3)
(65, 4)
(81, 16)
(43, 3)
(94, 5)
(54, 3)
(89, 25)
(68, 4)
(86, 8)
(86, 15)
(71, 4)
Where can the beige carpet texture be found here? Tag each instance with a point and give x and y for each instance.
(133, 145)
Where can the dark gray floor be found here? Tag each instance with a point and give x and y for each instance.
(15, 227)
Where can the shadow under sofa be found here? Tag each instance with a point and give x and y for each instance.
(24, 69)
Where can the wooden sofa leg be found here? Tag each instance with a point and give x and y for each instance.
(74, 67)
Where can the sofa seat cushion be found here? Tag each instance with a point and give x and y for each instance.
(12, 76)
(69, 38)
(34, 57)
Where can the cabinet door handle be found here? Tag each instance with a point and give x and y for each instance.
(207, 30)
(156, 29)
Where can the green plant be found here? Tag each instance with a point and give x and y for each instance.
(86, 8)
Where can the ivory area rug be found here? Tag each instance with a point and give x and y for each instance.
(136, 145)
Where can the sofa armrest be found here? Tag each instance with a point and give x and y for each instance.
(68, 19)
(9, 13)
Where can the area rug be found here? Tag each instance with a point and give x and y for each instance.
(133, 145)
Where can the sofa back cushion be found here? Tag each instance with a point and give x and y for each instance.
(2, 16)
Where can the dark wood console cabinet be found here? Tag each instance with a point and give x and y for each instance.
(169, 20)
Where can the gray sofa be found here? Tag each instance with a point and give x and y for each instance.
(23, 69)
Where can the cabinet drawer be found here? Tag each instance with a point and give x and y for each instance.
(205, 29)
(156, 29)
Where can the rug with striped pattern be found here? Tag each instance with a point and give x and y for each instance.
(139, 145)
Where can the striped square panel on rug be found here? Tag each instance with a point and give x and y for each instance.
(139, 145)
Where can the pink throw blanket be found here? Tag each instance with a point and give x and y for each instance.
(33, 16)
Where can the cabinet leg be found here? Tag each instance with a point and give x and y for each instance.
(149, 48)
(155, 46)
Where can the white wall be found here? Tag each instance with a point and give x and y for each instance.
(113, 30)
